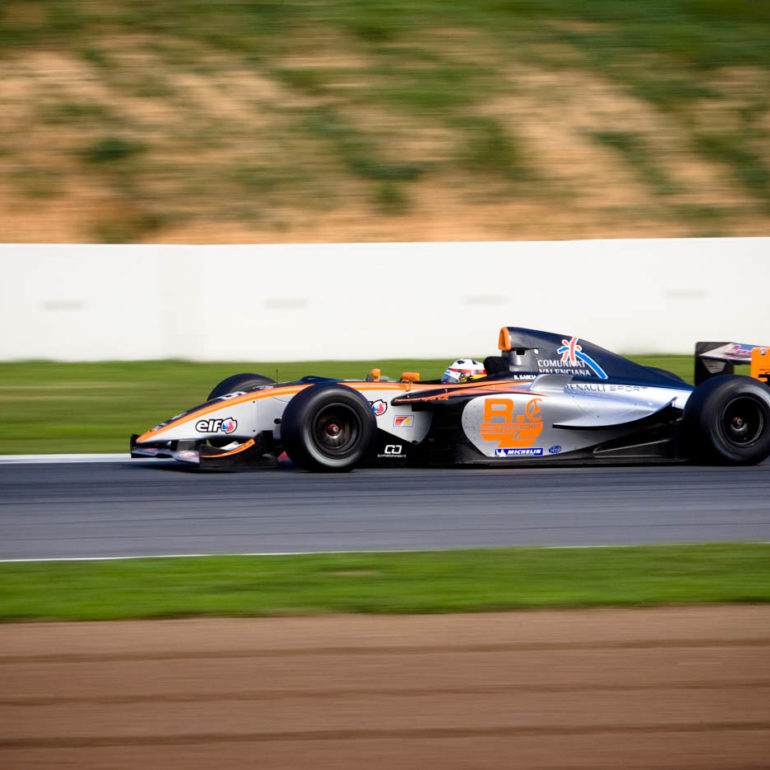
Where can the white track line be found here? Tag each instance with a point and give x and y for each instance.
(175, 556)
(196, 555)
(355, 551)
(60, 459)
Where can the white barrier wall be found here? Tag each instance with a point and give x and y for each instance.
(356, 301)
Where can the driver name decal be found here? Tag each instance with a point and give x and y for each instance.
(514, 427)
(224, 425)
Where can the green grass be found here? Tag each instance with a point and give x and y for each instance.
(61, 113)
(110, 149)
(51, 407)
(489, 149)
(356, 151)
(699, 33)
(747, 165)
(426, 582)
(631, 146)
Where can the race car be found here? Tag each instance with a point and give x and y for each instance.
(545, 399)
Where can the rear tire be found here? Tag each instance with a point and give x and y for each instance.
(328, 427)
(239, 382)
(727, 421)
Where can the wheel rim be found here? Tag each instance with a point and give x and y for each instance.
(743, 421)
(336, 429)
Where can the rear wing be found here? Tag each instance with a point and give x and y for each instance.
(712, 358)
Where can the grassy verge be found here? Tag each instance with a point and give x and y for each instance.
(48, 407)
(398, 583)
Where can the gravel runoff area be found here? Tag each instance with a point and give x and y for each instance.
(657, 688)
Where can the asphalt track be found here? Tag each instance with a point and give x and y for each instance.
(137, 508)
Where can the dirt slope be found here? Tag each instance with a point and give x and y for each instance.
(365, 121)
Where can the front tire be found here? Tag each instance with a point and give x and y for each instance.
(234, 384)
(727, 421)
(328, 427)
(239, 382)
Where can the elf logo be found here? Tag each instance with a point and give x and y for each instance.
(219, 425)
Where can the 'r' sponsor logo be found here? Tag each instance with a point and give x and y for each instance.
(508, 429)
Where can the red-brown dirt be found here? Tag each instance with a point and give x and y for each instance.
(660, 688)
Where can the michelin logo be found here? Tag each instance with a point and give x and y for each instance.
(518, 452)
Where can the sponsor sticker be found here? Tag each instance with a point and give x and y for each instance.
(224, 425)
(604, 387)
(740, 351)
(403, 421)
(572, 359)
(515, 452)
(502, 424)
(379, 407)
(393, 451)
(234, 394)
(554, 450)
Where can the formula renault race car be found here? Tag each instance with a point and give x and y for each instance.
(547, 398)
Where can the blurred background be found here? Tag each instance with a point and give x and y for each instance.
(151, 121)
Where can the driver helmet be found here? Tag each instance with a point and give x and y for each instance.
(464, 369)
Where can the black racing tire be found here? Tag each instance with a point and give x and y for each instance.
(666, 373)
(239, 382)
(328, 427)
(727, 421)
